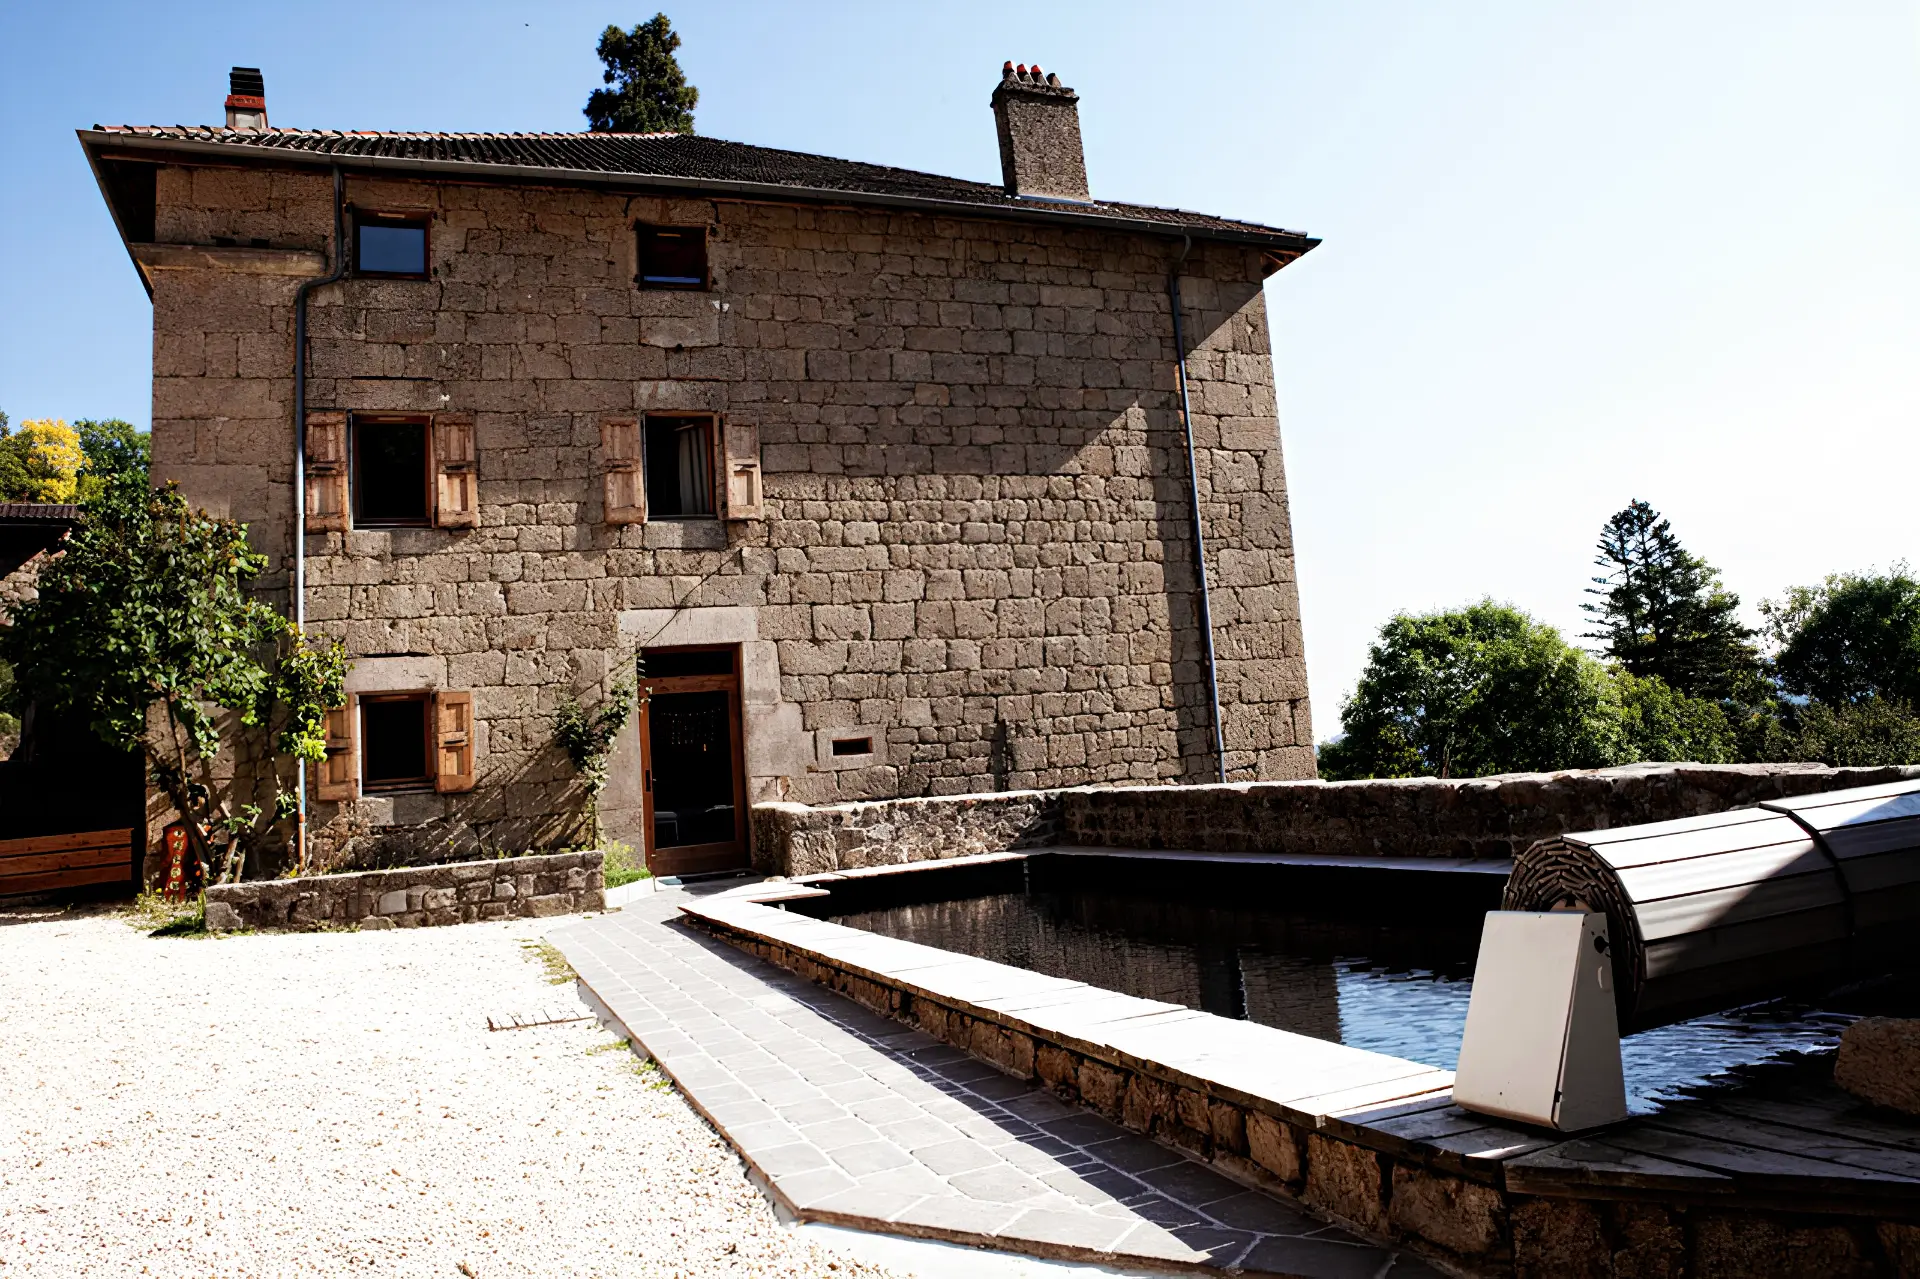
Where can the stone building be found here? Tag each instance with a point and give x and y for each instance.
(877, 480)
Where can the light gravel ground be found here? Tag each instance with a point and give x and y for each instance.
(334, 1103)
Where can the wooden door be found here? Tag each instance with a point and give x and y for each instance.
(693, 761)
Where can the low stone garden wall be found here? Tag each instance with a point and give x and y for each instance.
(1417, 817)
(414, 896)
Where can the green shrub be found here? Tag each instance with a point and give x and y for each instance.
(621, 865)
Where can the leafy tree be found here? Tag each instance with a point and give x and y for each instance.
(110, 446)
(1663, 612)
(650, 93)
(588, 737)
(1482, 690)
(40, 462)
(146, 627)
(1851, 638)
(1659, 722)
(1865, 733)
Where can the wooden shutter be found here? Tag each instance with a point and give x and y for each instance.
(620, 455)
(326, 472)
(339, 773)
(456, 479)
(740, 472)
(453, 728)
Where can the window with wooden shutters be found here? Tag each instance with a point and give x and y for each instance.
(339, 773)
(620, 457)
(326, 472)
(456, 491)
(742, 475)
(453, 724)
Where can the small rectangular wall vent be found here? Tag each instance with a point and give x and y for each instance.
(844, 746)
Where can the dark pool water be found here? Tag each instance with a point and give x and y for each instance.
(1397, 986)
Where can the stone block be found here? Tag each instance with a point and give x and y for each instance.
(1346, 1181)
(1765, 1246)
(546, 907)
(1879, 1062)
(1274, 1144)
(1559, 1239)
(222, 918)
(392, 903)
(1461, 1216)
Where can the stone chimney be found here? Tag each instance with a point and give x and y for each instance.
(247, 100)
(1038, 120)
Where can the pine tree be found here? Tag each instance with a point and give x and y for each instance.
(650, 93)
(1663, 611)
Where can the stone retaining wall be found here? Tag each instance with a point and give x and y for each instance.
(1458, 1211)
(414, 897)
(1416, 817)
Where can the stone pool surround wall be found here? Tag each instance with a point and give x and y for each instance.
(1477, 1215)
(414, 896)
(1416, 817)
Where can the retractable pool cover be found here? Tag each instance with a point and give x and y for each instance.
(1707, 913)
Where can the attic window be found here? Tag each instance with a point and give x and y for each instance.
(390, 244)
(672, 257)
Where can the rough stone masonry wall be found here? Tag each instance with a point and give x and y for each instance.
(1417, 817)
(415, 896)
(976, 548)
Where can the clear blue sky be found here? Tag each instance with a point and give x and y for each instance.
(1575, 253)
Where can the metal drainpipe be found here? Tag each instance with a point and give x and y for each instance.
(300, 461)
(1193, 496)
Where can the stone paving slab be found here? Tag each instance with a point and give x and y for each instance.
(854, 1119)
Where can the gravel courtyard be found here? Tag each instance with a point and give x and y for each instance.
(334, 1103)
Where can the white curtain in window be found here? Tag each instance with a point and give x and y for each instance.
(696, 470)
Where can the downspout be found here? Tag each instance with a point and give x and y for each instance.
(1193, 496)
(300, 464)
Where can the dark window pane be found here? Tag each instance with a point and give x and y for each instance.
(390, 472)
(393, 248)
(394, 741)
(662, 663)
(673, 257)
(679, 467)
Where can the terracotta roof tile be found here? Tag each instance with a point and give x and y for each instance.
(696, 159)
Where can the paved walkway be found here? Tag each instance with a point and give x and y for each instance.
(855, 1119)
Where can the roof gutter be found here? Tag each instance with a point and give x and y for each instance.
(1291, 242)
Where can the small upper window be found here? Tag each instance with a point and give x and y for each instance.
(390, 244)
(680, 467)
(672, 257)
(395, 750)
(392, 475)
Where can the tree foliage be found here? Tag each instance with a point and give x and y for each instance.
(1485, 689)
(40, 461)
(1659, 722)
(587, 737)
(1866, 733)
(50, 461)
(1663, 612)
(146, 626)
(1853, 638)
(649, 92)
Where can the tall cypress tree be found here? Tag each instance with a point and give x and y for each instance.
(650, 93)
(1662, 610)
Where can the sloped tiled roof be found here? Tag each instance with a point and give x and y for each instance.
(683, 160)
(40, 512)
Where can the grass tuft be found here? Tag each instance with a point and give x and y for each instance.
(621, 865)
(558, 972)
(159, 917)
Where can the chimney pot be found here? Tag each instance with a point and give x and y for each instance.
(246, 100)
(1038, 120)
